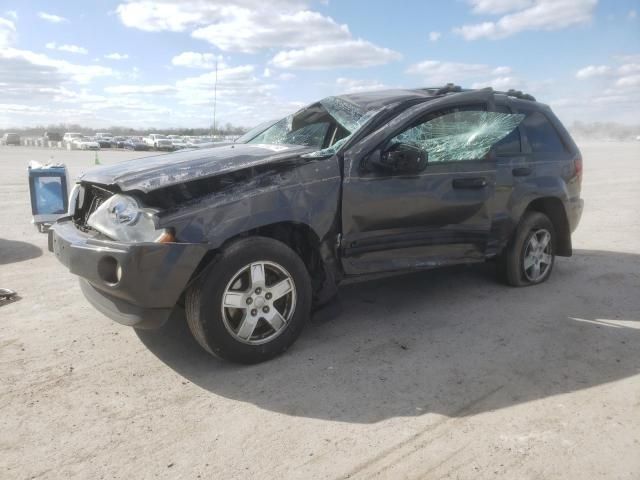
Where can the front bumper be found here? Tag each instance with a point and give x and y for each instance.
(153, 275)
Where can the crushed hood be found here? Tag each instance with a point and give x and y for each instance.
(151, 173)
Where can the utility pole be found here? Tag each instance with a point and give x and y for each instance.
(215, 98)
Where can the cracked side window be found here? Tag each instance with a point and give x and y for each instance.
(282, 132)
(312, 125)
(460, 135)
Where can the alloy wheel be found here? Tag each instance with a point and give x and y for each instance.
(258, 302)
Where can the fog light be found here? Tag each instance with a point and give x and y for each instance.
(109, 270)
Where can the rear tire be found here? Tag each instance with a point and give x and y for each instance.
(251, 303)
(529, 256)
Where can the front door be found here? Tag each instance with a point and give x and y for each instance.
(394, 220)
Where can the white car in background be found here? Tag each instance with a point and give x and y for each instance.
(159, 142)
(70, 137)
(85, 143)
(177, 141)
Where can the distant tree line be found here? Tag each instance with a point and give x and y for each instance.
(38, 130)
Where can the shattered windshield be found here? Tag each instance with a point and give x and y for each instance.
(461, 135)
(325, 125)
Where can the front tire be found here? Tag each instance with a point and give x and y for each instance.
(529, 257)
(251, 303)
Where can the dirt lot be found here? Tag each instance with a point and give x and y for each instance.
(442, 374)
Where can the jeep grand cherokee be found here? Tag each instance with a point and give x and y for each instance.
(248, 237)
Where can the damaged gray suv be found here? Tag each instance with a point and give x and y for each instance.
(249, 237)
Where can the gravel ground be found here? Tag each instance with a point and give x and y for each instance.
(441, 374)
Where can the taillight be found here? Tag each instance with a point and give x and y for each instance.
(578, 165)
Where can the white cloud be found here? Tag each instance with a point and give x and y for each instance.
(628, 68)
(498, 7)
(632, 15)
(7, 32)
(629, 81)
(533, 15)
(67, 48)
(49, 17)
(350, 85)
(286, 76)
(349, 53)
(609, 92)
(116, 56)
(11, 14)
(437, 72)
(626, 75)
(177, 16)
(434, 36)
(17, 64)
(197, 60)
(140, 89)
(244, 30)
(593, 71)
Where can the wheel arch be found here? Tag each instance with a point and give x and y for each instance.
(553, 208)
(316, 255)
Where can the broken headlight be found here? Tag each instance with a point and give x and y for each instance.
(122, 218)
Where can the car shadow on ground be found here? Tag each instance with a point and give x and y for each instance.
(450, 341)
(12, 251)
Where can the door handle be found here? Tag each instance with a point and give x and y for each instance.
(475, 182)
(521, 171)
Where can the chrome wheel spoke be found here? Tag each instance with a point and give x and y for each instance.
(533, 241)
(544, 241)
(536, 271)
(234, 300)
(529, 262)
(276, 320)
(546, 259)
(247, 327)
(280, 289)
(257, 275)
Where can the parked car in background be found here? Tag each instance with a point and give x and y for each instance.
(159, 142)
(85, 143)
(118, 142)
(104, 142)
(247, 237)
(69, 137)
(52, 136)
(200, 143)
(11, 139)
(177, 142)
(103, 135)
(135, 144)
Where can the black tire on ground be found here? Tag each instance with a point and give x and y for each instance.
(510, 265)
(203, 302)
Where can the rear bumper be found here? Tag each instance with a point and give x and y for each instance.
(574, 212)
(153, 276)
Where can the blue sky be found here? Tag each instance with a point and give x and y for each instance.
(151, 63)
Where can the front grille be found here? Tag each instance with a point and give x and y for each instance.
(89, 199)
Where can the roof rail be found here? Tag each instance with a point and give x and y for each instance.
(519, 94)
(452, 88)
(448, 88)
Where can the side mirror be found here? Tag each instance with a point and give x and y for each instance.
(400, 158)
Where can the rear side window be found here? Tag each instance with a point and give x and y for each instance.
(542, 136)
(510, 144)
